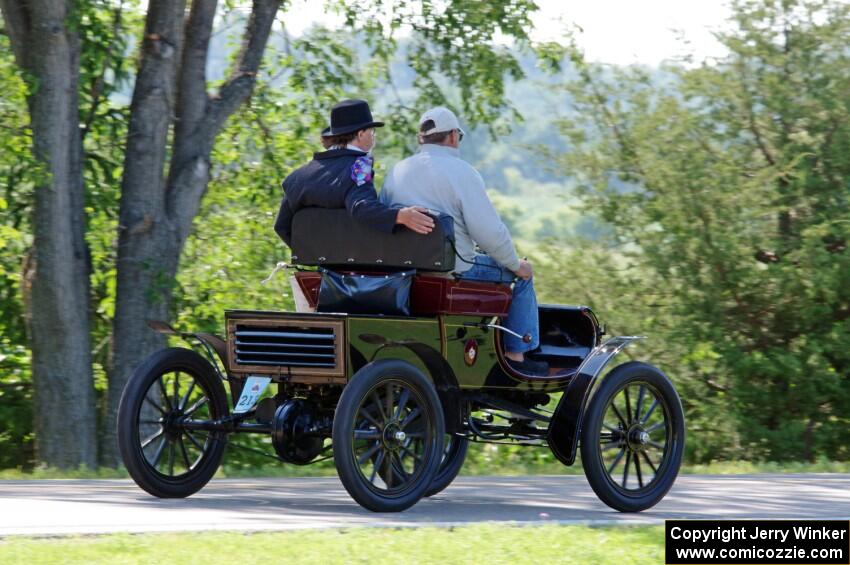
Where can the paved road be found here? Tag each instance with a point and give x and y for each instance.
(68, 507)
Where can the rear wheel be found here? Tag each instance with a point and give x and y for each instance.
(388, 436)
(454, 454)
(633, 437)
(163, 457)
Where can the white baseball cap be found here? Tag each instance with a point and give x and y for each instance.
(443, 118)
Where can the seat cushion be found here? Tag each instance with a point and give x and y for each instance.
(432, 295)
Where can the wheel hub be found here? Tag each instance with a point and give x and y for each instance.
(637, 438)
(393, 436)
(171, 424)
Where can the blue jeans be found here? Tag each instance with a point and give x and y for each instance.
(522, 316)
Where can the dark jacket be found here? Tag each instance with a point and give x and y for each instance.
(337, 178)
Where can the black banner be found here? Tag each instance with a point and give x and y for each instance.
(757, 542)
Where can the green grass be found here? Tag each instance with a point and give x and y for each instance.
(468, 544)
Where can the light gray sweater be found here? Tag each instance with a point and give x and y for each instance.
(437, 178)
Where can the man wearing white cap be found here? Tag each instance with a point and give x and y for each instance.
(435, 177)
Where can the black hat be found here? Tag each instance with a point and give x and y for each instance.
(349, 116)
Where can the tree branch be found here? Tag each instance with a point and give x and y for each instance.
(190, 165)
(239, 86)
(757, 133)
(142, 187)
(192, 81)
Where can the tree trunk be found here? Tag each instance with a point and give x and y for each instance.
(47, 48)
(156, 214)
(143, 223)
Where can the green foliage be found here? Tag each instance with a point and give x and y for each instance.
(451, 58)
(705, 206)
(17, 171)
(726, 188)
(105, 30)
(233, 246)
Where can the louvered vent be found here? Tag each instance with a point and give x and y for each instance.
(285, 346)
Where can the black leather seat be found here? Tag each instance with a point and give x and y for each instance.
(332, 238)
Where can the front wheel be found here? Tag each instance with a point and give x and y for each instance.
(164, 457)
(633, 437)
(388, 436)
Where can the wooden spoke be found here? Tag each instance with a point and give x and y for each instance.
(185, 454)
(155, 405)
(377, 401)
(376, 465)
(657, 426)
(150, 440)
(365, 414)
(196, 406)
(367, 434)
(193, 440)
(164, 393)
(158, 454)
(390, 398)
(411, 416)
(402, 402)
(639, 405)
(650, 411)
(186, 396)
(616, 460)
(623, 422)
(637, 469)
(369, 453)
(649, 462)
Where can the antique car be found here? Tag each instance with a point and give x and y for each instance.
(393, 366)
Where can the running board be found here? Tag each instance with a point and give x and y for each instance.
(521, 412)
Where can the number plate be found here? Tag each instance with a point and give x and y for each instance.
(251, 393)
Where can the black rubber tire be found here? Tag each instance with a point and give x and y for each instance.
(366, 380)
(158, 364)
(455, 454)
(594, 467)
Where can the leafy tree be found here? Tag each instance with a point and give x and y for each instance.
(726, 186)
(174, 147)
(174, 125)
(16, 166)
(46, 45)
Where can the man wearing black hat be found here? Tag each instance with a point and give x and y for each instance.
(341, 177)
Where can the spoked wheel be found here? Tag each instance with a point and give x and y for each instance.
(388, 436)
(454, 454)
(633, 438)
(164, 457)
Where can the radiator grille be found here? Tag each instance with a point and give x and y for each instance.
(286, 345)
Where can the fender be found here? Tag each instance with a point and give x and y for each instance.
(566, 421)
(444, 381)
(440, 371)
(210, 343)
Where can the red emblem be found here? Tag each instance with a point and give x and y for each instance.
(470, 352)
